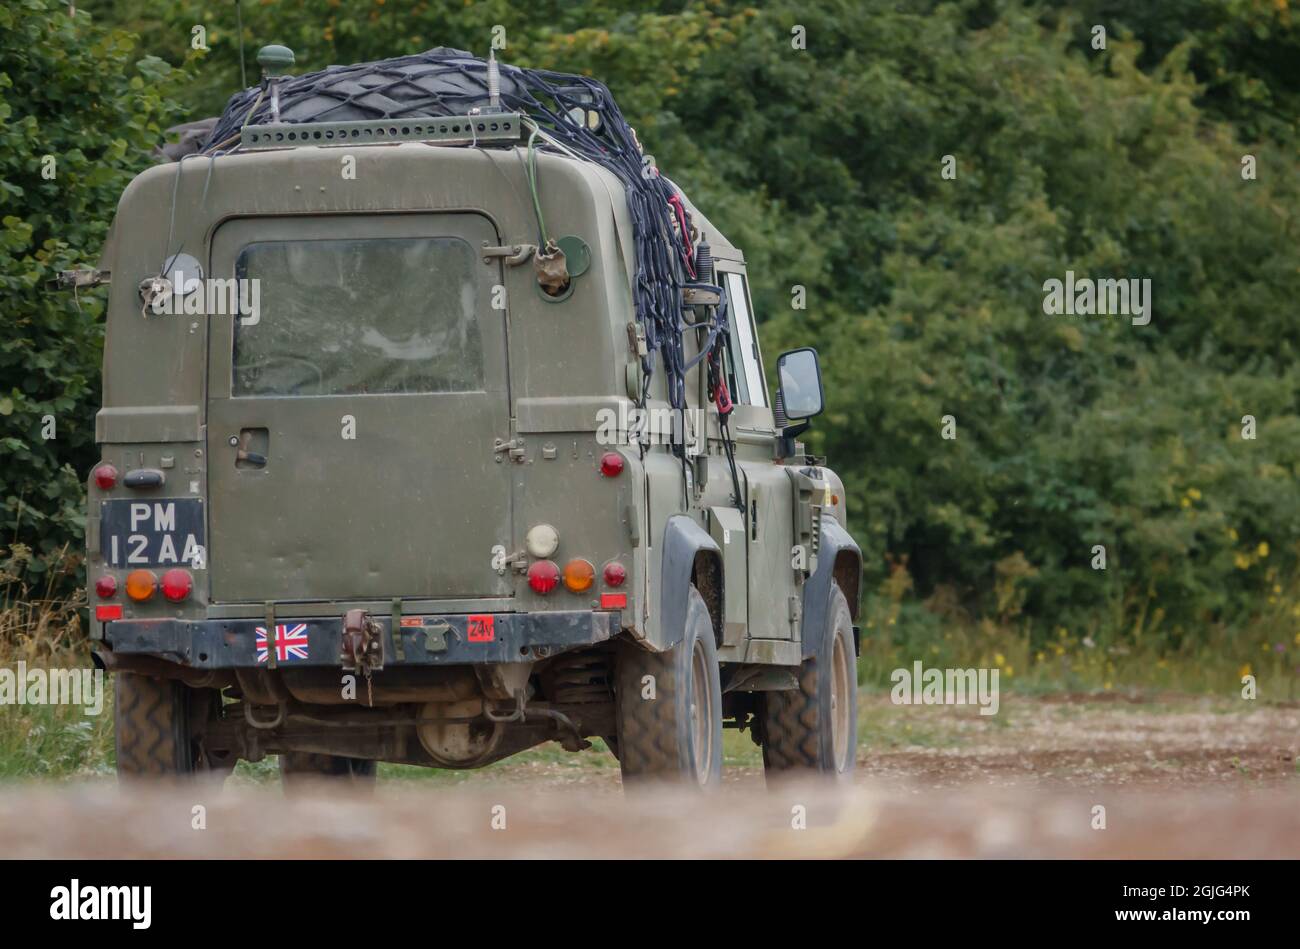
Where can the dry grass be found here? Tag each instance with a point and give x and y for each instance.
(45, 630)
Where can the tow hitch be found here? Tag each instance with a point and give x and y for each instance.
(362, 648)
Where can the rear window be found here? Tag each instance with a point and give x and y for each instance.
(357, 317)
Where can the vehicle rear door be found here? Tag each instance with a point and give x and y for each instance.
(352, 414)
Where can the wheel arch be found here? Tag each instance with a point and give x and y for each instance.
(688, 553)
(839, 560)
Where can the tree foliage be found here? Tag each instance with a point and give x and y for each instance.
(80, 109)
(925, 293)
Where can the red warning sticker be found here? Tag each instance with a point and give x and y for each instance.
(482, 628)
(412, 620)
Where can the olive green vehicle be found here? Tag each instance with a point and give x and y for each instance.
(403, 502)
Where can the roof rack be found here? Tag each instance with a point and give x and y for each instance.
(468, 129)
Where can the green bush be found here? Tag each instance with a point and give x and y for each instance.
(75, 103)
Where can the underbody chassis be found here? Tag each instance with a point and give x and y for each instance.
(448, 691)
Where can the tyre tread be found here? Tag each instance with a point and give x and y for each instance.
(148, 740)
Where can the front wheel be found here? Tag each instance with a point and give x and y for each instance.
(669, 707)
(813, 729)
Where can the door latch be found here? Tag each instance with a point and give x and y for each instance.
(513, 254)
(513, 448)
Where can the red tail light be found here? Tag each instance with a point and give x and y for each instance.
(611, 464)
(543, 576)
(615, 573)
(177, 584)
(105, 587)
(108, 611)
(105, 476)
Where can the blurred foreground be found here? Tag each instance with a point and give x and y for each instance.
(100, 822)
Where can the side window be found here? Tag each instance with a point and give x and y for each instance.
(746, 364)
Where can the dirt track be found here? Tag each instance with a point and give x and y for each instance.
(1178, 778)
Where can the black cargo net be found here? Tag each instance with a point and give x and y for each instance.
(445, 82)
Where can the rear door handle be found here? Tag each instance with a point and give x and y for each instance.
(252, 447)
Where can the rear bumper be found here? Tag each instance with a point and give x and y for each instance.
(445, 639)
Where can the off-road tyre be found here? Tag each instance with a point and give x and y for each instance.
(302, 768)
(676, 736)
(813, 729)
(151, 726)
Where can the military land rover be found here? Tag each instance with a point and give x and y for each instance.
(435, 428)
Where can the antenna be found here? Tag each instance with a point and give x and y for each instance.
(274, 60)
(493, 82)
(239, 21)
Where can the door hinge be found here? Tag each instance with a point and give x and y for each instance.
(513, 448)
(796, 610)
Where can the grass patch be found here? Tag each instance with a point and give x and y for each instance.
(1105, 659)
(46, 632)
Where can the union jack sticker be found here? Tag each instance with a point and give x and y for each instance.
(291, 642)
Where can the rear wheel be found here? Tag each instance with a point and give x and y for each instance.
(669, 707)
(151, 725)
(813, 729)
(301, 768)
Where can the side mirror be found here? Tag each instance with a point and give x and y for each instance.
(799, 377)
(799, 396)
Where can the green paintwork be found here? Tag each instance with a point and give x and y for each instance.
(415, 504)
